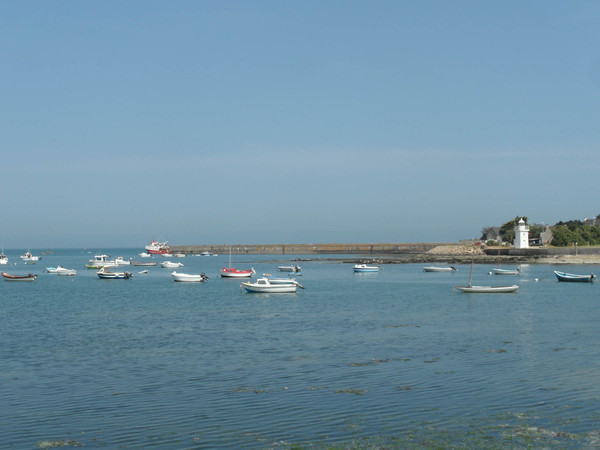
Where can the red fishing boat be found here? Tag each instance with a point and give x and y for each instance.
(158, 248)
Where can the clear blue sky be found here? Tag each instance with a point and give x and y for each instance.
(215, 122)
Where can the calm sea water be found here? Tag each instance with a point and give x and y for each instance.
(396, 358)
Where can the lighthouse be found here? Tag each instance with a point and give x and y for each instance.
(521, 235)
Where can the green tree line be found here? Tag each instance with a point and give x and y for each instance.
(567, 233)
(563, 233)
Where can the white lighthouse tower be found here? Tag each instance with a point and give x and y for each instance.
(521, 235)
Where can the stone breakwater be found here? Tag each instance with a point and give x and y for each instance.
(404, 253)
(306, 249)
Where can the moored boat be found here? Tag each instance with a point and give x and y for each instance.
(28, 277)
(157, 248)
(439, 269)
(143, 263)
(63, 272)
(29, 257)
(230, 272)
(106, 273)
(498, 271)
(171, 264)
(474, 289)
(188, 277)
(120, 261)
(276, 280)
(265, 286)
(291, 269)
(365, 268)
(488, 289)
(3, 258)
(100, 261)
(564, 276)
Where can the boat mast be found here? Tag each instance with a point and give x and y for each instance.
(471, 273)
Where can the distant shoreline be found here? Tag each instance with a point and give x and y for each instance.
(406, 253)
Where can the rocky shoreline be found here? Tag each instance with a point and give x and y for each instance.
(462, 255)
(406, 253)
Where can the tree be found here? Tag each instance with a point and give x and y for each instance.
(566, 233)
(536, 230)
(507, 230)
(562, 236)
(487, 233)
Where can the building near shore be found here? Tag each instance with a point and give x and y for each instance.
(521, 235)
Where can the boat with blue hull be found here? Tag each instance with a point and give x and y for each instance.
(362, 268)
(564, 276)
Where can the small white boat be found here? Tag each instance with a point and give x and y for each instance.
(143, 263)
(29, 257)
(100, 261)
(263, 285)
(106, 273)
(63, 272)
(145, 255)
(119, 261)
(188, 277)
(470, 289)
(439, 269)
(28, 277)
(179, 255)
(171, 264)
(52, 269)
(498, 271)
(365, 268)
(3, 259)
(275, 280)
(291, 269)
(488, 289)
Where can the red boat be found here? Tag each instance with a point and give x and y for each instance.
(230, 272)
(29, 277)
(158, 248)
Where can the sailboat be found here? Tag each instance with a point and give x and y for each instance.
(499, 271)
(470, 289)
(231, 272)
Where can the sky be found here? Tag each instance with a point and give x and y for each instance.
(215, 122)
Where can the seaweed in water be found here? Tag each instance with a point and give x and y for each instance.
(59, 443)
(351, 391)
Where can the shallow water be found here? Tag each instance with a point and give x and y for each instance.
(394, 358)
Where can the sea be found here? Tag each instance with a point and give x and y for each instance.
(393, 359)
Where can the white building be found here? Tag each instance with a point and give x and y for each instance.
(522, 235)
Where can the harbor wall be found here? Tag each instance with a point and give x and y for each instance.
(307, 249)
(544, 251)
